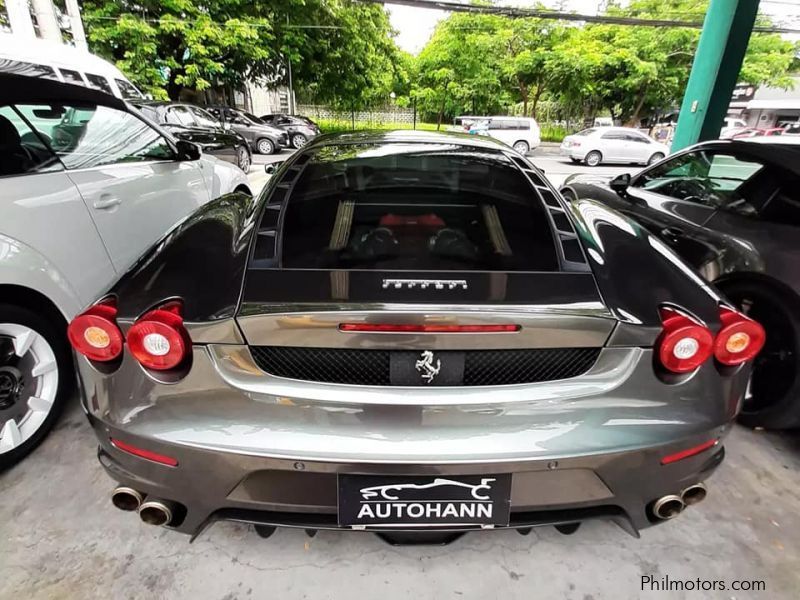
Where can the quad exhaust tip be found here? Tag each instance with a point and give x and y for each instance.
(125, 498)
(694, 494)
(156, 512)
(668, 507)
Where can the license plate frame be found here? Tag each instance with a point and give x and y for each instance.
(424, 501)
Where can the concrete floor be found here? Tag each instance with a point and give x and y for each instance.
(61, 538)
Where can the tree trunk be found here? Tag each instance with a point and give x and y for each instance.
(523, 91)
(535, 102)
(634, 119)
(441, 108)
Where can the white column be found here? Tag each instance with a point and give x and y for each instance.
(19, 17)
(76, 24)
(47, 20)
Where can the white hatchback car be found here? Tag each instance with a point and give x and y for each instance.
(87, 185)
(612, 145)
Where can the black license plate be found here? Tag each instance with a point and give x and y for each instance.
(395, 501)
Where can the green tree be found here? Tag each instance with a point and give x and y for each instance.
(168, 45)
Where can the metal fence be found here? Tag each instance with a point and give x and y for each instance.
(376, 117)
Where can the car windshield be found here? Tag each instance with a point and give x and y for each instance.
(585, 132)
(415, 206)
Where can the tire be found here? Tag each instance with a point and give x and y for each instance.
(243, 160)
(593, 158)
(772, 399)
(298, 141)
(655, 158)
(522, 147)
(24, 424)
(265, 146)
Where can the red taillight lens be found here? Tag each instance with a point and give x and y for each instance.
(146, 454)
(684, 344)
(407, 328)
(94, 333)
(158, 340)
(740, 338)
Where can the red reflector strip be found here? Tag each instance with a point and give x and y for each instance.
(146, 454)
(387, 328)
(671, 458)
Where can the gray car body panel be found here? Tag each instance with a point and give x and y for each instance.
(259, 448)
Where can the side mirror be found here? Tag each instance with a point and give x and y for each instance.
(270, 168)
(620, 183)
(188, 150)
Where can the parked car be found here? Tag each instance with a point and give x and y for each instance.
(263, 138)
(732, 211)
(421, 318)
(193, 124)
(521, 133)
(731, 126)
(87, 185)
(300, 129)
(42, 58)
(598, 145)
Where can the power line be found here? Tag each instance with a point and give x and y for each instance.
(523, 13)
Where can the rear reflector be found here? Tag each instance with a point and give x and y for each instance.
(740, 338)
(94, 333)
(146, 454)
(402, 328)
(671, 458)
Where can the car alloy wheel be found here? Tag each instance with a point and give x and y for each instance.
(522, 147)
(243, 159)
(593, 158)
(28, 384)
(298, 140)
(265, 146)
(655, 158)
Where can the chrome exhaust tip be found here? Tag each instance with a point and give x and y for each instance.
(694, 494)
(156, 512)
(125, 498)
(668, 507)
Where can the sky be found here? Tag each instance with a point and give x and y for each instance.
(415, 25)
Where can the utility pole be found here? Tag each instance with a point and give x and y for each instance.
(19, 17)
(76, 25)
(717, 62)
(45, 12)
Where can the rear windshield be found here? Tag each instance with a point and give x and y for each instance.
(399, 206)
(585, 132)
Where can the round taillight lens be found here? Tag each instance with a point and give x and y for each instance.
(94, 333)
(683, 344)
(739, 340)
(159, 341)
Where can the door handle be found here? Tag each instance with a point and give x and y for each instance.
(105, 202)
(672, 232)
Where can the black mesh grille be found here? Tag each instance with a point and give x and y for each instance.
(372, 367)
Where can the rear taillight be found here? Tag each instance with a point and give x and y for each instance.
(158, 339)
(95, 334)
(684, 344)
(740, 338)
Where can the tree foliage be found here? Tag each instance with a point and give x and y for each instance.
(346, 56)
(480, 63)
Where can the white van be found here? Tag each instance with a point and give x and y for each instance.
(521, 133)
(43, 58)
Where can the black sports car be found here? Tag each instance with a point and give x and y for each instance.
(731, 209)
(263, 138)
(193, 124)
(410, 332)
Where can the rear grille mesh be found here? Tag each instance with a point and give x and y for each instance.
(372, 367)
